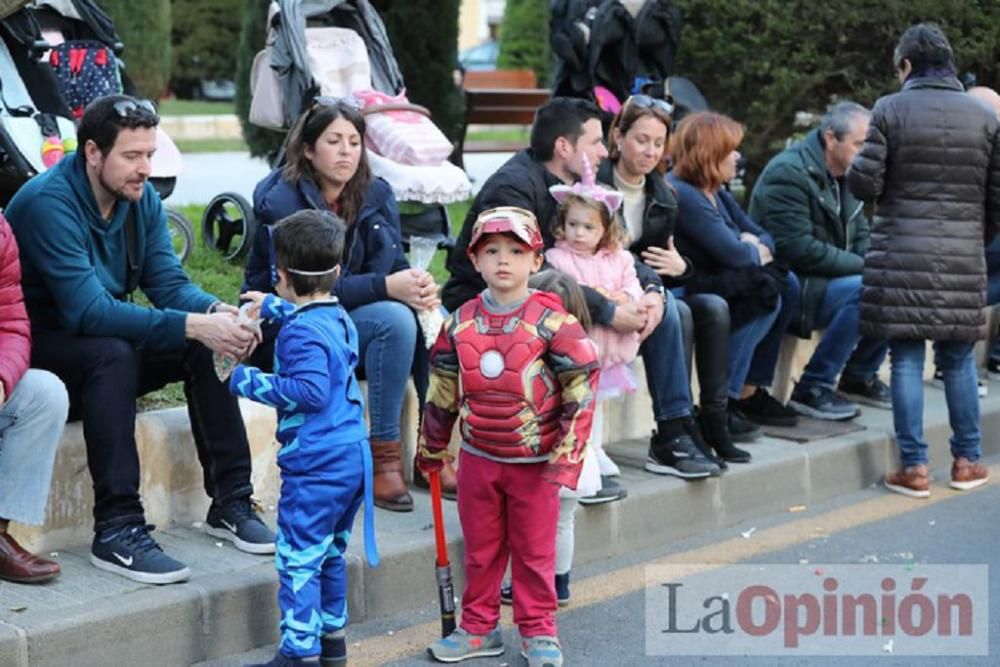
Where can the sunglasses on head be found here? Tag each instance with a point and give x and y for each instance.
(134, 107)
(642, 101)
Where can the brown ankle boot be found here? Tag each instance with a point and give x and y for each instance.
(449, 481)
(390, 487)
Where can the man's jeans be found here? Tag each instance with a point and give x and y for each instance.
(31, 422)
(104, 376)
(839, 348)
(957, 363)
(666, 374)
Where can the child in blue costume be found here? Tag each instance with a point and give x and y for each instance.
(325, 461)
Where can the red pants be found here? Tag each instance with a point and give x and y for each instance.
(508, 510)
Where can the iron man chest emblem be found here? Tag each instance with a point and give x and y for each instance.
(491, 364)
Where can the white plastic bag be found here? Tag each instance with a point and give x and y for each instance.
(224, 364)
(421, 253)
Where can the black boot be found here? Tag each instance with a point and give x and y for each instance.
(715, 429)
(334, 649)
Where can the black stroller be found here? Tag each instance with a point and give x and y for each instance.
(35, 111)
(228, 224)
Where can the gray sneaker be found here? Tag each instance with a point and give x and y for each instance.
(822, 402)
(542, 651)
(461, 645)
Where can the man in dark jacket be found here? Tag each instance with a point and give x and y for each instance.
(931, 162)
(821, 231)
(91, 230)
(563, 132)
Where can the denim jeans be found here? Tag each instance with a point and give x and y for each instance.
(104, 376)
(390, 348)
(993, 284)
(840, 349)
(743, 342)
(31, 423)
(765, 357)
(387, 340)
(958, 364)
(706, 318)
(666, 374)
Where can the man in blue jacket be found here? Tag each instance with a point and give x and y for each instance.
(91, 230)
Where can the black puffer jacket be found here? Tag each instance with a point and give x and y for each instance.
(931, 162)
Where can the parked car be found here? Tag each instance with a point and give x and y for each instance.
(481, 57)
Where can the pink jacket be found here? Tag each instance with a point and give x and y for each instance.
(607, 271)
(15, 331)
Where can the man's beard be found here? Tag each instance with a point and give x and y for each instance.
(117, 193)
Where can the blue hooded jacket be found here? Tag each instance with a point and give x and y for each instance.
(372, 249)
(74, 262)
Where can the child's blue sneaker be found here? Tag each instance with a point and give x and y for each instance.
(542, 651)
(460, 645)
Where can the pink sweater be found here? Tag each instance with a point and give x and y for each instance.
(607, 271)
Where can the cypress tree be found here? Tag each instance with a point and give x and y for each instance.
(202, 36)
(145, 30)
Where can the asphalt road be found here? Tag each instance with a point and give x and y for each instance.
(873, 530)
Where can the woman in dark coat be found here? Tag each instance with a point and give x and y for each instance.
(931, 162)
(327, 169)
(638, 139)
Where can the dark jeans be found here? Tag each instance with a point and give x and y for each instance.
(666, 377)
(104, 376)
(705, 318)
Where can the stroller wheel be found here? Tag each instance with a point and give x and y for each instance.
(228, 226)
(181, 233)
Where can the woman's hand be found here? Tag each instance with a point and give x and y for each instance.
(665, 261)
(413, 287)
(619, 298)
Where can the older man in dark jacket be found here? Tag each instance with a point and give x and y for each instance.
(931, 162)
(820, 230)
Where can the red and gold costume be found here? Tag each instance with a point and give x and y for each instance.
(523, 384)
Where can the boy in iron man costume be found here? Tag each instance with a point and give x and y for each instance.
(520, 375)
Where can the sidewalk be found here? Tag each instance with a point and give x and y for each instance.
(90, 618)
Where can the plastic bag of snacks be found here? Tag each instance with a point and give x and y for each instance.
(224, 364)
(421, 253)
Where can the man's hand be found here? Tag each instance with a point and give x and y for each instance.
(413, 287)
(653, 303)
(630, 317)
(665, 261)
(221, 333)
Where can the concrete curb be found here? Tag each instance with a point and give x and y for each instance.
(229, 605)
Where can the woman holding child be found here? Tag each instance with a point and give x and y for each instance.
(637, 142)
(326, 169)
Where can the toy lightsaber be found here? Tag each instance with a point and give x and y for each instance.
(446, 591)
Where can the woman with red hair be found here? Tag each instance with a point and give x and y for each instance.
(734, 258)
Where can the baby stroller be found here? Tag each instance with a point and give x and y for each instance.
(61, 54)
(605, 53)
(339, 48)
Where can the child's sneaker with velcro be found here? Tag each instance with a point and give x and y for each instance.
(461, 645)
(129, 551)
(542, 651)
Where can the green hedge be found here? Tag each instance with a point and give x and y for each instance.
(145, 30)
(203, 36)
(524, 38)
(761, 61)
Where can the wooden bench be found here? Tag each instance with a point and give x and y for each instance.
(499, 97)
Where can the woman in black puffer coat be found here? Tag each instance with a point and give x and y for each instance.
(931, 162)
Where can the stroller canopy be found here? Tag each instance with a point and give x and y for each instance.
(290, 59)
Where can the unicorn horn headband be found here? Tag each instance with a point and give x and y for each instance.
(589, 188)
